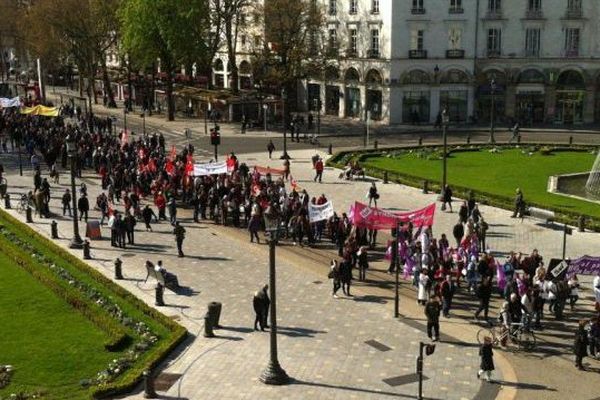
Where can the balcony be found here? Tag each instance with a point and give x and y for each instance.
(373, 53)
(455, 53)
(456, 10)
(494, 15)
(418, 10)
(572, 53)
(494, 53)
(534, 14)
(351, 53)
(416, 54)
(573, 13)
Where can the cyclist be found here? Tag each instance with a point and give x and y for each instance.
(505, 321)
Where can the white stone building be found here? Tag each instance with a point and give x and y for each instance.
(405, 60)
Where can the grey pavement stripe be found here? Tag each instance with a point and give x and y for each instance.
(487, 390)
(403, 379)
(378, 345)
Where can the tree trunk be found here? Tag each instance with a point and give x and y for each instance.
(108, 92)
(231, 56)
(169, 94)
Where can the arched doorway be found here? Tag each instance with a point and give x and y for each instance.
(332, 91)
(245, 75)
(352, 79)
(570, 96)
(454, 94)
(491, 95)
(415, 97)
(530, 98)
(374, 81)
(219, 73)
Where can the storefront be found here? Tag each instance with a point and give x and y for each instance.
(456, 103)
(530, 106)
(332, 100)
(352, 95)
(374, 104)
(489, 95)
(314, 95)
(570, 96)
(415, 106)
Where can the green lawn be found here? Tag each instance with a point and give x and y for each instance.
(500, 173)
(51, 346)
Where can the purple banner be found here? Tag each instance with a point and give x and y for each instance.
(585, 265)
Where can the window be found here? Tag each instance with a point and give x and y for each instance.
(374, 42)
(494, 42)
(532, 42)
(243, 40)
(572, 38)
(574, 5)
(332, 10)
(454, 38)
(416, 39)
(353, 41)
(456, 7)
(535, 5)
(495, 6)
(332, 39)
(374, 6)
(353, 6)
(418, 7)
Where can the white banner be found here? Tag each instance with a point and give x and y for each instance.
(8, 103)
(210, 169)
(320, 212)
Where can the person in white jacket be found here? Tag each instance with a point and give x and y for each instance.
(597, 291)
(423, 294)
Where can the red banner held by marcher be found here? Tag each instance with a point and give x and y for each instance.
(268, 170)
(364, 216)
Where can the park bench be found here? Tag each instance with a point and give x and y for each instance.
(166, 279)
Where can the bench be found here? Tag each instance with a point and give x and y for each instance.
(166, 279)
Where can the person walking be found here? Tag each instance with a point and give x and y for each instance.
(334, 275)
(346, 276)
(261, 303)
(270, 148)
(423, 292)
(66, 202)
(147, 214)
(484, 292)
(130, 223)
(581, 344)
(179, 233)
(432, 312)
(319, 170)
(363, 263)
(172, 206)
(515, 133)
(519, 205)
(83, 205)
(458, 231)
(373, 195)
(447, 291)
(447, 198)
(487, 359)
(286, 169)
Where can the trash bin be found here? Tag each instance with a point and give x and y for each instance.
(214, 313)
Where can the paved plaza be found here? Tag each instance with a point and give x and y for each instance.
(322, 340)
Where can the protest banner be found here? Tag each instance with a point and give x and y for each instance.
(320, 212)
(9, 103)
(364, 216)
(210, 169)
(585, 265)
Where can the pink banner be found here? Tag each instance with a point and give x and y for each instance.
(364, 216)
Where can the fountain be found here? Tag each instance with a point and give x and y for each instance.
(592, 186)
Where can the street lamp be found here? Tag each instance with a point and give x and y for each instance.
(18, 138)
(125, 119)
(493, 110)
(285, 155)
(445, 122)
(273, 374)
(76, 242)
(318, 107)
(243, 114)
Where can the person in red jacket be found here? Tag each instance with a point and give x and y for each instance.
(319, 169)
(161, 204)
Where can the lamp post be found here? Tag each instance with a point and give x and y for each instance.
(445, 121)
(493, 110)
(285, 155)
(243, 114)
(76, 242)
(18, 140)
(273, 374)
(318, 107)
(125, 119)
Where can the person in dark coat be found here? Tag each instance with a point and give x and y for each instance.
(458, 232)
(484, 292)
(83, 205)
(130, 227)
(261, 303)
(447, 290)
(463, 212)
(179, 233)
(487, 359)
(346, 276)
(432, 312)
(363, 263)
(147, 214)
(334, 274)
(581, 344)
(447, 198)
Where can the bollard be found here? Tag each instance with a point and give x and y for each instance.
(214, 312)
(425, 187)
(469, 138)
(149, 392)
(28, 215)
(420, 140)
(330, 149)
(581, 223)
(118, 272)
(54, 229)
(376, 144)
(7, 201)
(519, 138)
(158, 294)
(208, 329)
(385, 177)
(570, 140)
(86, 250)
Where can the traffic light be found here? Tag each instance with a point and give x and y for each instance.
(215, 137)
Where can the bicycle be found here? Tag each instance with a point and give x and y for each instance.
(519, 333)
(24, 202)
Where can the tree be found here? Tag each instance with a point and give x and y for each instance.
(171, 31)
(293, 44)
(233, 13)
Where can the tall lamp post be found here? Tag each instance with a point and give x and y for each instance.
(125, 119)
(285, 155)
(318, 107)
(76, 242)
(445, 122)
(493, 110)
(18, 140)
(273, 374)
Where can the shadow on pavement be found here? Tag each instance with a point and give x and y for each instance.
(297, 332)
(239, 329)
(527, 386)
(352, 389)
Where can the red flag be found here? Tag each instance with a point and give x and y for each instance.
(189, 168)
(169, 167)
(124, 138)
(173, 153)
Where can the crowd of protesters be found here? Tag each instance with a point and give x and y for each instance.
(140, 169)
